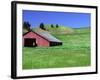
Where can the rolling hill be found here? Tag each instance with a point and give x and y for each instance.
(55, 30)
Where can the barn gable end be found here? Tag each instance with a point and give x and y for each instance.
(39, 40)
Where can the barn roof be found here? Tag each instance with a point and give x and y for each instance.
(45, 35)
(48, 36)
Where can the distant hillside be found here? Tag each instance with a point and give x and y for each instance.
(55, 30)
(82, 30)
(60, 30)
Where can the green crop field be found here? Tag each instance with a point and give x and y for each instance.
(75, 52)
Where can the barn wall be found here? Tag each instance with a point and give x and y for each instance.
(39, 40)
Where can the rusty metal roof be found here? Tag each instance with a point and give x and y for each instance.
(48, 36)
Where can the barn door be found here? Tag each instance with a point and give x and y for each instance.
(28, 42)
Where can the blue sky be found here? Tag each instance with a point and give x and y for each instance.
(70, 19)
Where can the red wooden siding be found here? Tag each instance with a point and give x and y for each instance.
(39, 40)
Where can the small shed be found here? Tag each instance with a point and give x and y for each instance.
(41, 39)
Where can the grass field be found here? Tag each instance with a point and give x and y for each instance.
(74, 52)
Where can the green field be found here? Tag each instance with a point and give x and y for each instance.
(74, 52)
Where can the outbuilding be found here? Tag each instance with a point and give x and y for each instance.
(41, 39)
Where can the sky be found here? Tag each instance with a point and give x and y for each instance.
(69, 19)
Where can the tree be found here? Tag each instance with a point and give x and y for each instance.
(26, 25)
(42, 26)
(57, 25)
(52, 26)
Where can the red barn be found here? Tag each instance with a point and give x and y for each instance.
(41, 39)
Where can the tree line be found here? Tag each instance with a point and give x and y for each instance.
(27, 26)
(42, 26)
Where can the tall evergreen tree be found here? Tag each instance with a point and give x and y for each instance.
(57, 25)
(52, 26)
(26, 25)
(42, 26)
